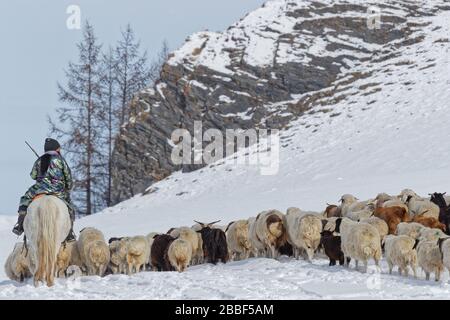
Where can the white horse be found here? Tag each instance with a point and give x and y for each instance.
(46, 226)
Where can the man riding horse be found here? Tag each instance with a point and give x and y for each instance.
(53, 177)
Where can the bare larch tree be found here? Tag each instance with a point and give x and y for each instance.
(77, 119)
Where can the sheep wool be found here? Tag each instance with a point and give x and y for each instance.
(400, 251)
(180, 254)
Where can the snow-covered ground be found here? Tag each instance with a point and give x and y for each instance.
(372, 141)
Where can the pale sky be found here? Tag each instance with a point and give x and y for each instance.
(36, 45)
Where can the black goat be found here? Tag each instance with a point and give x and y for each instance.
(215, 246)
(160, 247)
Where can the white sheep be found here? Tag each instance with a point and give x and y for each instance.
(94, 252)
(430, 258)
(138, 254)
(400, 251)
(118, 255)
(383, 197)
(444, 246)
(238, 240)
(194, 238)
(379, 224)
(347, 200)
(179, 254)
(360, 241)
(17, 265)
(350, 204)
(408, 192)
(411, 229)
(431, 234)
(68, 255)
(303, 232)
(422, 207)
(270, 231)
(360, 214)
(258, 247)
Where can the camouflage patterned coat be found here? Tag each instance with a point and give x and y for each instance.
(57, 180)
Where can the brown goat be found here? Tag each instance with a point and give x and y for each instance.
(160, 246)
(333, 210)
(392, 216)
(429, 222)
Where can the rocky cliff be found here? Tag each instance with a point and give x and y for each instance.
(264, 71)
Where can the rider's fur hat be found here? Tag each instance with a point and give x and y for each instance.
(51, 145)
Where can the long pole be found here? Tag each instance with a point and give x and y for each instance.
(32, 149)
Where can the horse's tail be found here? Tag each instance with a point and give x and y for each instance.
(46, 242)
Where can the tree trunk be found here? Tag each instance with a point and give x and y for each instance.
(89, 148)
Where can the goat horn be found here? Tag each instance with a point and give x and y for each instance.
(211, 223)
(200, 223)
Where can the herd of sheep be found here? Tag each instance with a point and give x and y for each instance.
(408, 229)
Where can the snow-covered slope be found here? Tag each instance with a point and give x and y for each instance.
(251, 75)
(387, 131)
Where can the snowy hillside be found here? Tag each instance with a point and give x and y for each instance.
(255, 73)
(388, 130)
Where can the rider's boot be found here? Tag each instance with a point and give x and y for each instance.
(18, 227)
(71, 236)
